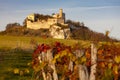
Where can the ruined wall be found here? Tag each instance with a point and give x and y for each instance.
(52, 21)
(60, 21)
(32, 23)
(43, 24)
(38, 25)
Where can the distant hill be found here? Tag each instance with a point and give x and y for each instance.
(82, 32)
(77, 29)
(18, 30)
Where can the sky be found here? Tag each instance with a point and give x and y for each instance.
(98, 15)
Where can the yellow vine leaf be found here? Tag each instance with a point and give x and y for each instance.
(115, 69)
(76, 62)
(16, 71)
(27, 71)
(63, 53)
(83, 59)
(117, 59)
(57, 56)
(54, 61)
(110, 65)
(73, 58)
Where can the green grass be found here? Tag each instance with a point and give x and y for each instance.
(12, 59)
(24, 42)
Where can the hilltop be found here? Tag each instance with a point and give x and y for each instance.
(54, 26)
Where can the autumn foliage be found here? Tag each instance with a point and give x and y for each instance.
(108, 61)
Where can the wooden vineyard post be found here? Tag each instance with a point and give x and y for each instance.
(83, 72)
(82, 69)
(51, 64)
(47, 57)
(93, 61)
(70, 65)
(43, 73)
(40, 57)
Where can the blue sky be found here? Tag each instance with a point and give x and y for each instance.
(98, 15)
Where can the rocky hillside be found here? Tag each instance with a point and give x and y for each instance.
(77, 31)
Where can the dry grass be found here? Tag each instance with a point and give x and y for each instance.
(25, 42)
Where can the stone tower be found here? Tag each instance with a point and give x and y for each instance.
(60, 13)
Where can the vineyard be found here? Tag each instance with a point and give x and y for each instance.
(61, 62)
(26, 58)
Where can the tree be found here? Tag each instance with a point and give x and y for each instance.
(12, 25)
(76, 24)
(25, 22)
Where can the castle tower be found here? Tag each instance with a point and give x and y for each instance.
(60, 13)
(62, 16)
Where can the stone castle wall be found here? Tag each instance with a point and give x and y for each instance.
(38, 25)
(43, 24)
(57, 18)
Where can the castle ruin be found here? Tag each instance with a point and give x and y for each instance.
(55, 23)
(45, 24)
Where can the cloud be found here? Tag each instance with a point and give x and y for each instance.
(100, 7)
(91, 8)
(51, 10)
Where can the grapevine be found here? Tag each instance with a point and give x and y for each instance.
(66, 60)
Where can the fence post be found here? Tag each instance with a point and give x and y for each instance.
(93, 61)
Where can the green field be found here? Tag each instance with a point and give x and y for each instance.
(25, 42)
(15, 59)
